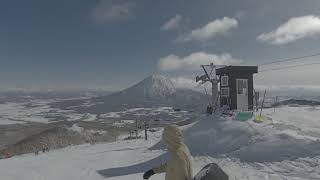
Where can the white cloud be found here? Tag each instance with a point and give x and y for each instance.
(184, 82)
(107, 12)
(172, 23)
(187, 82)
(194, 60)
(211, 30)
(294, 29)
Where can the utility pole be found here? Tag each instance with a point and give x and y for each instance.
(145, 130)
(210, 77)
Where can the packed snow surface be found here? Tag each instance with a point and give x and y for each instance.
(275, 149)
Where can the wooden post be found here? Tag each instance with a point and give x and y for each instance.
(256, 97)
(265, 91)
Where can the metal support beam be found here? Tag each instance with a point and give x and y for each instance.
(213, 81)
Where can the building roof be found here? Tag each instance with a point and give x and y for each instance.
(237, 69)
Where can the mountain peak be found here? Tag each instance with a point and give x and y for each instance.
(157, 76)
(158, 86)
(155, 86)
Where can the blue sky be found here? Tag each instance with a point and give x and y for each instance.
(81, 44)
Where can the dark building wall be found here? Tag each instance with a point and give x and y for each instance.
(228, 100)
(233, 90)
(231, 100)
(237, 72)
(233, 93)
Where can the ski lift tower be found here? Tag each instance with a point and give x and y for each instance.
(212, 78)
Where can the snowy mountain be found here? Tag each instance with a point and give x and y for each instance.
(153, 91)
(152, 87)
(155, 86)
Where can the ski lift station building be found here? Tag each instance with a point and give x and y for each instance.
(236, 86)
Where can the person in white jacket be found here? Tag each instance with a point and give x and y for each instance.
(179, 166)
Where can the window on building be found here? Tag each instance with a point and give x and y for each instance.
(224, 81)
(225, 92)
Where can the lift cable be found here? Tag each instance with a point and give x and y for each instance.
(289, 67)
(289, 59)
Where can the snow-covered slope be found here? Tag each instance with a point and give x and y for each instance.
(252, 142)
(127, 160)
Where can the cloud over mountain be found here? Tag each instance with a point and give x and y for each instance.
(193, 61)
